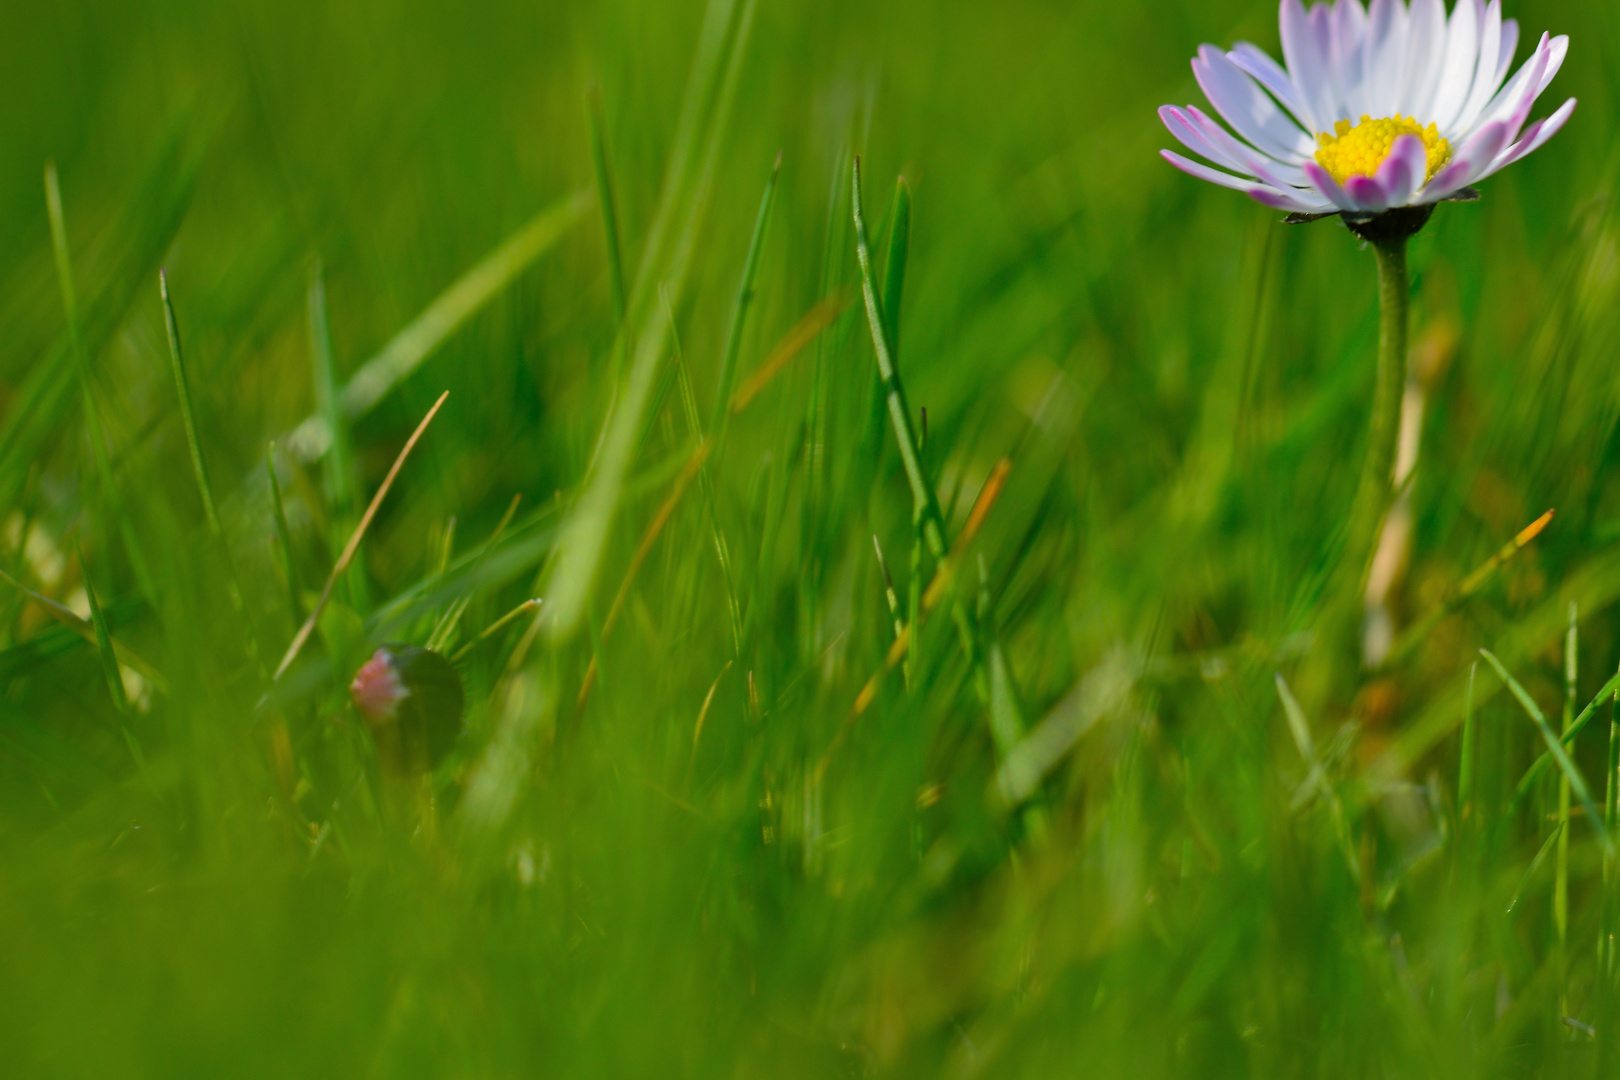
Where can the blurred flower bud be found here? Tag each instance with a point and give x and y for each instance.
(411, 700)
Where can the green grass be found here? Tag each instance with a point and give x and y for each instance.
(1118, 806)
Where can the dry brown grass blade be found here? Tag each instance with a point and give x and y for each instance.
(689, 472)
(353, 545)
(814, 322)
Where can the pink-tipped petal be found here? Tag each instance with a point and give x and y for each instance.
(1204, 172)
(1471, 160)
(1521, 91)
(1535, 137)
(1368, 194)
(1300, 203)
(1403, 170)
(1329, 187)
(1181, 126)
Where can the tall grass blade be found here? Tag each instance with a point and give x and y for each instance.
(1555, 747)
(81, 359)
(1561, 874)
(894, 266)
(606, 204)
(583, 536)
(104, 643)
(412, 346)
(745, 300)
(187, 415)
(289, 567)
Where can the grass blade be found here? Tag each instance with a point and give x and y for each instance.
(745, 299)
(894, 266)
(922, 491)
(187, 415)
(605, 202)
(1555, 747)
(434, 326)
(283, 537)
(92, 415)
(1561, 873)
(1465, 772)
(104, 643)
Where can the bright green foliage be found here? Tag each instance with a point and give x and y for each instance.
(1116, 807)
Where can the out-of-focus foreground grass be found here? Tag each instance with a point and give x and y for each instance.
(1085, 844)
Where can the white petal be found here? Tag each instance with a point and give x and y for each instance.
(1349, 51)
(1485, 80)
(1307, 66)
(1247, 160)
(1186, 132)
(1425, 54)
(1462, 57)
(1247, 108)
(1386, 52)
(1510, 46)
(1256, 62)
(1324, 32)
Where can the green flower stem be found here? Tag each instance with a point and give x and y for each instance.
(1375, 489)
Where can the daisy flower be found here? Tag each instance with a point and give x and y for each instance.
(1381, 112)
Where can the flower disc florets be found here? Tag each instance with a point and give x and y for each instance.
(1361, 149)
(1438, 110)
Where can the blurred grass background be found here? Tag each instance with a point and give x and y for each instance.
(707, 868)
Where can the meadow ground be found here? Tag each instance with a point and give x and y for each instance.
(1123, 803)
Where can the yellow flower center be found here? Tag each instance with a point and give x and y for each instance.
(1358, 150)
